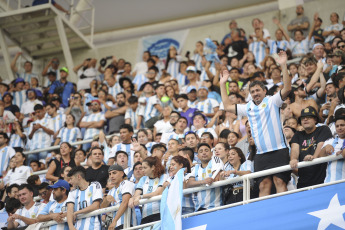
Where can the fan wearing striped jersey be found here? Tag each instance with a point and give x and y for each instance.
(263, 113)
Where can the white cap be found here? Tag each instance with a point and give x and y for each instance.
(191, 68)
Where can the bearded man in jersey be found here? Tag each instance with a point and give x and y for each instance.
(266, 128)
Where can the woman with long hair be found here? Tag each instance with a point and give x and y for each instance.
(69, 133)
(149, 186)
(222, 151)
(236, 166)
(54, 170)
(20, 173)
(233, 139)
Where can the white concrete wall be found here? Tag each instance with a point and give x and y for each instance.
(128, 49)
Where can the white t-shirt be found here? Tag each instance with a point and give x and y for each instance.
(163, 127)
(31, 213)
(19, 176)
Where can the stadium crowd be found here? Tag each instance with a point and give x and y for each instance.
(239, 110)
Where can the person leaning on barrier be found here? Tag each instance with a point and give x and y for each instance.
(120, 194)
(56, 210)
(84, 199)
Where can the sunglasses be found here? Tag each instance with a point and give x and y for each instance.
(75, 98)
(94, 104)
(341, 47)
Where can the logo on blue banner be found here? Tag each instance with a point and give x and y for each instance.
(161, 47)
(321, 208)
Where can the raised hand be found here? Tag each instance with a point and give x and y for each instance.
(316, 16)
(224, 75)
(282, 58)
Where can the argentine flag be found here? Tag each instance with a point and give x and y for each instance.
(171, 203)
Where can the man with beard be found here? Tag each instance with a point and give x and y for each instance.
(306, 146)
(27, 214)
(178, 132)
(301, 22)
(93, 123)
(63, 87)
(98, 171)
(28, 107)
(56, 210)
(150, 77)
(186, 112)
(116, 116)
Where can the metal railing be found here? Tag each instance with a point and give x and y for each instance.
(246, 192)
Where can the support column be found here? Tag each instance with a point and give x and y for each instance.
(6, 55)
(65, 49)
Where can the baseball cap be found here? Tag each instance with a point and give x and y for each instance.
(60, 184)
(191, 68)
(203, 87)
(19, 79)
(309, 112)
(115, 168)
(64, 69)
(316, 45)
(190, 89)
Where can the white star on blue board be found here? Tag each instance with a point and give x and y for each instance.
(332, 215)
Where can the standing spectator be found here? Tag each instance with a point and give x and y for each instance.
(40, 133)
(186, 112)
(126, 133)
(207, 106)
(141, 67)
(258, 24)
(178, 132)
(120, 194)
(7, 98)
(98, 171)
(28, 213)
(27, 107)
(172, 62)
(238, 48)
(198, 55)
(69, 133)
(279, 43)
(133, 115)
(149, 186)
(6, 152)
(227, 38)
(84, 199)
(306, 146)
(154, 107)
(58, 119)
(27, 75)
(113, 87)
(116, 116)
(56, 209)
(269, 140)
(86, 73)
(317, 31)
(192, 77)
(51, 67)
(202, 175)
(93, 123)
(75, 108)
(62, 87)
(19, 94)
(334, 29)
(301, 22)
(164, 125)
(258, 46)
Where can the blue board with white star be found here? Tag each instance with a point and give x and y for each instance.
(321, 208)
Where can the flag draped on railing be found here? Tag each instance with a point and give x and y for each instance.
(171, 203)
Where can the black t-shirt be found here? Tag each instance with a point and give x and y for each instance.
(317, 34)
(100, 175)
(235, 50)
(13, 109)
(307, 145)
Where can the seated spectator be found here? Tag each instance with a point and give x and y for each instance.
(116, 116)
(179, 131)
(202, 175)
(164, 124)
(120, 194)
(149, 186)
(18, 136)
(126, 133)
(154, 107)
(75, 108)
(86, 72)
(84, 199)
(56, 209)
(134, 115)
(44, 191)
(334, 29)
(7, 152)
(28, 213)
(57, 118)
(20, 173)
(35, 182)
(186, 111)
(7, 98)
(55, 166)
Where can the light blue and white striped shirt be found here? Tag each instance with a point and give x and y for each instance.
(259, 50)
(17, 141)
(83, 199)
(91, 132)
(298, 48)
(173, 68)
(6, 154)
(203, 75)
(32, 213)
(125, 187)
(55, 207)
(115, 89)
(139, 80)
(150, 110)
(19, 97)
(166, 137)
(58, 121)
(207, 106)
(212, 197)
(69, 135)
(337, 26)
(274, 45)
(264, 120)
(41, 139)
(148, 185)
(335, 169)
(246, 166)
(27, 76)
(123, 147)
(181, 80)
(133, 116)
(197, 59)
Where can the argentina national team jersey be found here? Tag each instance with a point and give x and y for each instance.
(212, 197)
(19, 97)
(115, 89)
(133, 116)
(91, 132)
(207, 106)
(148, 185)
(246, 166)
(265, 124)
(6, 154)
(259, 51)
(199, 132)
(32, 213)
(123, 147)
(182, 80)
(83, 199)
(173, 67)
(150, 110)
(17, 141)
(335, 169)
(166, 137)
(58, 121)
(274, 45)
(69, 135)
(139, 80)
(197, 59)
(27, 76)
(204, 76)
(301, 47)
(55, 207)
(41, 139)
(125, 187)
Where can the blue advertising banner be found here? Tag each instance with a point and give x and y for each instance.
(321, 208)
